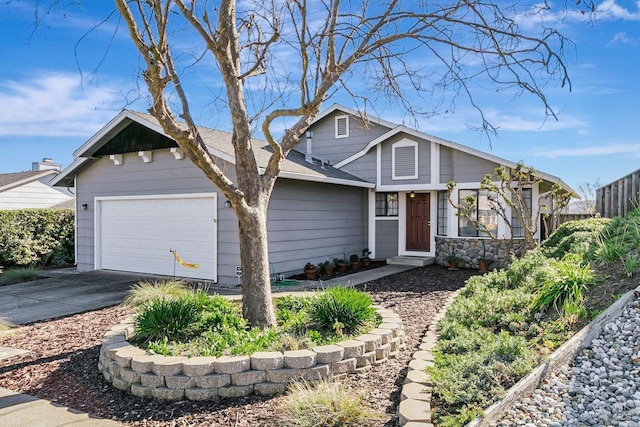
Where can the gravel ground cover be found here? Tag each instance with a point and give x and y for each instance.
(600, 388)
(62, 363)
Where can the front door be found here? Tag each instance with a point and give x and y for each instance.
(418, 222)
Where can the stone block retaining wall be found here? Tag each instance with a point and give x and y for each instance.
(143, 374)
(469, 250)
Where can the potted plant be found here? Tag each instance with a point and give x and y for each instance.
(366, 261)
(484, 263)
(453, 261)
(328, 267)
(355, 261)
(340, 264)
(310, 271)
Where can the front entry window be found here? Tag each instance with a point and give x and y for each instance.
(386, 204)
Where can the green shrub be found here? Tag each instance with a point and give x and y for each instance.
(323, 403)
(145, 291)
(482, 367)
(565, 287)
(36, 237)
(166, 319)
(574, 236)
(18, 275)
(342, 310)
(217, 311)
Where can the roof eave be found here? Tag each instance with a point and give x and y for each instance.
(28, 180)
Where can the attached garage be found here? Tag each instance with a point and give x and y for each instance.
(138, 233)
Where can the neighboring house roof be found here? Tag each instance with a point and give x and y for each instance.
(218, 143)
(12, 180)
(68, 204)
(396, 129)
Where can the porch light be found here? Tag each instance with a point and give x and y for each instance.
(412, 195)
(227, 204)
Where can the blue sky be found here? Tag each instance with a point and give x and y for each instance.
(58, 86)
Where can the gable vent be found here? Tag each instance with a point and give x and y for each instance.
(342, 126)
(405, 160)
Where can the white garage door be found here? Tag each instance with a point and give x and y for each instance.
(137, 233)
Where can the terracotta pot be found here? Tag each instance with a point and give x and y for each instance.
(366, 262)
(311, 274)
(328, 270)
(354, 265)
(484, 265)
(453, 265)
(342, 267)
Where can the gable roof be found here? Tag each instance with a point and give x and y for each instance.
(397, 129)
(12, 180)
(218, 143)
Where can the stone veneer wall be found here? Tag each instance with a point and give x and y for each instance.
(142, 374)
(470, 249)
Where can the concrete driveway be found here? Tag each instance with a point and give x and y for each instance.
(63, 293)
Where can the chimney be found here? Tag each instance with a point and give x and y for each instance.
(45, 165)
(308, 156)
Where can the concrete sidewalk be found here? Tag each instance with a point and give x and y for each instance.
(69, 292)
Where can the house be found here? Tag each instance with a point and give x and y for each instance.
(355, 183)
(32, 189)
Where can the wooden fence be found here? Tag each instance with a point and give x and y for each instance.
(620, 197)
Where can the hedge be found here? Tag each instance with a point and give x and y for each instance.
(36, 237)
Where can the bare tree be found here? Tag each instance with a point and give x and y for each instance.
(505, 191)
(588, 191)
(278, 60)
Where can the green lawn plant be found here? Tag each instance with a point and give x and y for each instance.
(175, 320)
(145, 291)
(19, 275)
(324, 403)
(504, 323)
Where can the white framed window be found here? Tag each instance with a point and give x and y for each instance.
(386, 204)
(342, 126)
(517, 228)
(404, 160)
(484, 214)
(443, 212)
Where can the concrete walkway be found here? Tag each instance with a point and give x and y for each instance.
(69, 292)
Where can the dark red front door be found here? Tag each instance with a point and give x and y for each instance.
(418, 225)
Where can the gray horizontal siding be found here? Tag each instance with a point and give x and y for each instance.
(308, 222)
(386, 238)
(327, 147)
(424, 161)
(463, 167)
(164, 175)
(311, 222)
(365, 167)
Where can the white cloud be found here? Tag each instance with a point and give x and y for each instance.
(600, 150)
(54, 104)
(531, 120)
(622, 38)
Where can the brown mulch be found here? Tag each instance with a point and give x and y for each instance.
(62, 364)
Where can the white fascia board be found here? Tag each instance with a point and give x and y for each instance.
(69, 170)
(450, 144)
(353, 112)
(28, 180)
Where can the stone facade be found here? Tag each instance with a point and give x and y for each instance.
(470, 249)
(143, 374)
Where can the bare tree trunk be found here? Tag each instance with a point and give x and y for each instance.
(257, 305)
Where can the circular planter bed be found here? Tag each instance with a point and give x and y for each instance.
(143, 374)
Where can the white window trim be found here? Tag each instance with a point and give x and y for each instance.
(400, 144)
(337, 118)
